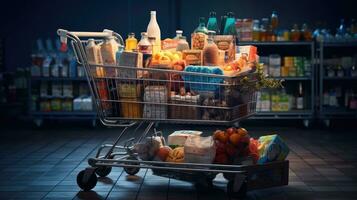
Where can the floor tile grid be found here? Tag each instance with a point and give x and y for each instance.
(84, 159)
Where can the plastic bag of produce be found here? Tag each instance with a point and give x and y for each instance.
(272, 148)
(148, 149)
(200, 150)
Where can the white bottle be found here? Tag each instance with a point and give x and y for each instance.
(153, 29)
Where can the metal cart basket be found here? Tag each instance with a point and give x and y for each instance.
(130, 97)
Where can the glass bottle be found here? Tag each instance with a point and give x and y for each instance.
(256, 31)
(274, 20)
(212, 22)
(182, 44)
(210, 51)
(178, 34)
(306, 32)
(300, 98)
(201, 26)
(153, 29)
(295, 33)
(131, 42)
(263, 29)
(144, 45)
(152, 41)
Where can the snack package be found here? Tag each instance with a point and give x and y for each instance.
(169, 44)
(178, 138)
(272, 148)
(192, 57)
(176, 155)
(227, 44)
(200, 150)
(250, 52)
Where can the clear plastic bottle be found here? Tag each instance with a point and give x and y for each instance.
(144, 45)
(210, 51)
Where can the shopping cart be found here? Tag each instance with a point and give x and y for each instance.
(131, 97)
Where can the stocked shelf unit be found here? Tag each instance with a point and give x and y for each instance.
(39, 116)
(309, 81)
(324, 49)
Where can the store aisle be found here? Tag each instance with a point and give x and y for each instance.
(43, 164)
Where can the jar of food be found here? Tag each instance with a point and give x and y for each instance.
(182, 44)
(199, 37)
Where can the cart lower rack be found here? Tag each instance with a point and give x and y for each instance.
(129, 97)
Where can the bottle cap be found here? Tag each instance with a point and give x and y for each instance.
(212, 14)
(179, 31)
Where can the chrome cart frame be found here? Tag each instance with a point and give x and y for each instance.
(156, 104)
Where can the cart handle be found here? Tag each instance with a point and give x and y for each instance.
(106, 33)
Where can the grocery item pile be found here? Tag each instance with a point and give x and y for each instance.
(229, 147)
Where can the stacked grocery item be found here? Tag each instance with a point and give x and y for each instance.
(172, 79)
(230, 147)
(53, 89)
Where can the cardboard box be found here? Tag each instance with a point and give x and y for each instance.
(192, 57)
(130, 59)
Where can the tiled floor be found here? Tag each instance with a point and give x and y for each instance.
(43, 164)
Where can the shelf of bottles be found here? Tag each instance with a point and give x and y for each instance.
(58, 87)
(338, 89)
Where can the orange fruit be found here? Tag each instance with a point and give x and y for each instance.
(234, 139)
(220, 136)
(242, 132)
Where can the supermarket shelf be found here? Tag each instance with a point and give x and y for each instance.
(298, 78)
(64, 114)
(58, 78)
(340, 44)
(338, 112)
(282, 43)
(339, 78)
(295, 114)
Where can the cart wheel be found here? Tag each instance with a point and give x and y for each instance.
(241, 194)
(132, 170)
(86, 183)
(103, 171)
